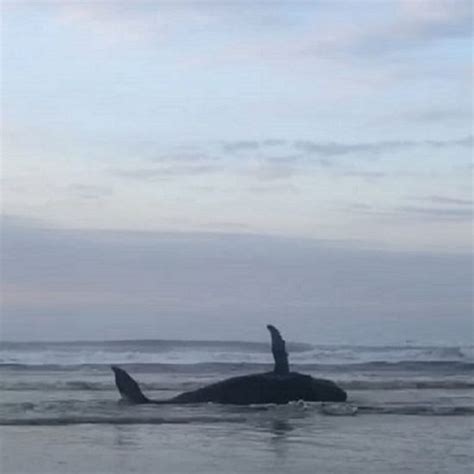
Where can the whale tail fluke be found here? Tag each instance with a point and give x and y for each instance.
(128, 388)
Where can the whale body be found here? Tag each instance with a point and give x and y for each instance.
(279, 387)
(244, 390)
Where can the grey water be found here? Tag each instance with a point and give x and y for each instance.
(410, 409)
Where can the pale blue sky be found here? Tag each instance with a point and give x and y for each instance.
(347, 121)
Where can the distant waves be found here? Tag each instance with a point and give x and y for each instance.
(233, 353)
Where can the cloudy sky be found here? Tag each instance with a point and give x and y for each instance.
(150, 149)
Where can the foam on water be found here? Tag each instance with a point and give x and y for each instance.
(207, 352)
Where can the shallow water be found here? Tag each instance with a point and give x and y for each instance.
(409, 410)
(278, 442)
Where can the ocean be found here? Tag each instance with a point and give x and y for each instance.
(410, 409)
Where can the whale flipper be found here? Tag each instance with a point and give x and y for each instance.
(279, 352)
(128, 388)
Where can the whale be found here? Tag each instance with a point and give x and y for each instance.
(279, 386)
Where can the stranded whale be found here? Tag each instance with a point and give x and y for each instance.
(280, 386)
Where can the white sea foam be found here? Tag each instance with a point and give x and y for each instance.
(165, 352)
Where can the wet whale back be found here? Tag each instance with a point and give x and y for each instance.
(265, 388)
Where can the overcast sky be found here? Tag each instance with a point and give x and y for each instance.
(337, 135)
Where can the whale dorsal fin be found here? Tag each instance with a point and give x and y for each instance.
(279, 351)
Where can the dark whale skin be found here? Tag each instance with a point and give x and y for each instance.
(266, 388)
(250, 389)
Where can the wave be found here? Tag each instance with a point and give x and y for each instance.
(407, 384)
(208, 352)
(167, 386)
(447, 367)
(86, 386)
(326, 409)
(121, 420)
(150, 345)
(427, 410)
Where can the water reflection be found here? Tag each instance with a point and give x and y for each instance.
(124, 437)
(281, 427)
(279, 443)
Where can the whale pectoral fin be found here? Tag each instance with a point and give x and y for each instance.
(279, 351)
(128, 388)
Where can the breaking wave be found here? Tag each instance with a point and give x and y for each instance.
(442, 366)
(213, 352)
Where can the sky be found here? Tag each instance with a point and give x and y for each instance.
(195, 169)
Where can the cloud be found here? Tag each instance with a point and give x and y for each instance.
(118, 22)
(435, 214)
(285, 159)
(405, 24)
(225, 226)
(243, 145)
(143, 22)
(165, 172)
(89, 191)
(365, 174)
(282, 32)
(70, 284)
(338, 149)
(434, 19)
(17, 223)
(448, 200)
(439, 115)
(191, 154)
(274, 189)
(274, 159)
(271, 172)
(466, 142)
(271, 142)
(331, 149)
